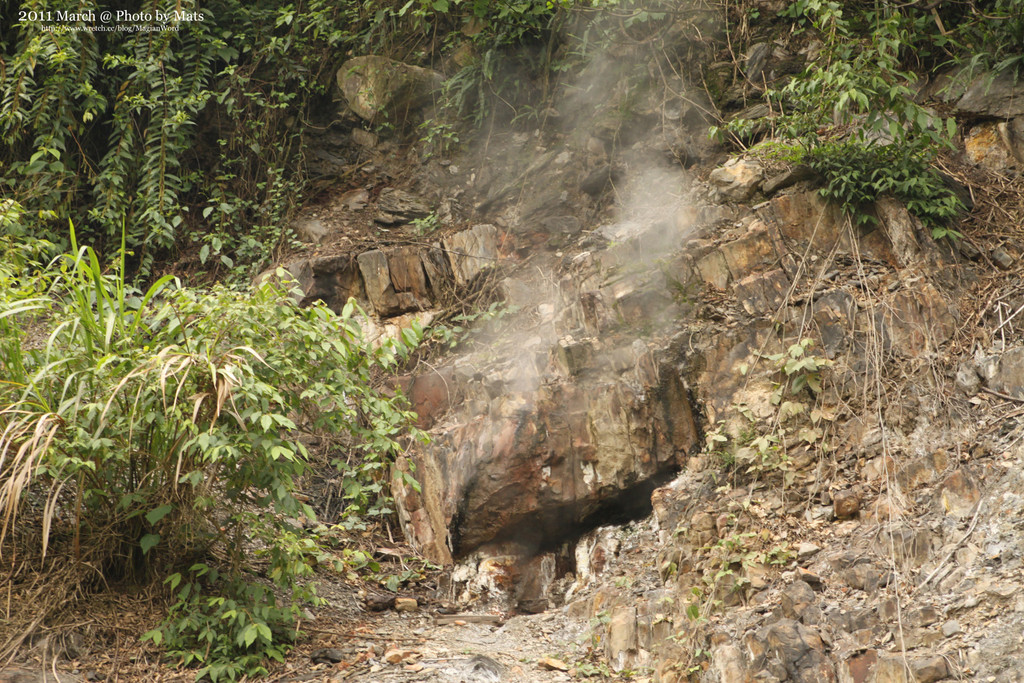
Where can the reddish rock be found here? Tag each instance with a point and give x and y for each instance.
(533, 464)
(862, 666)
(846, 504)
(959, 493)
(431, 395)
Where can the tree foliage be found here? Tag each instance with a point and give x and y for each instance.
(190, 135)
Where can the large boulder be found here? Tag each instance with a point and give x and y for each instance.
(556, 424)
(1000, 96)
(535, 466)
(378, 88)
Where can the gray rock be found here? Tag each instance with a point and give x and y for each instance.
(471, 251)
(296, 273)
(19, 675)
(595, 182)
(796, 599)
(476, 669)
(1008, 374)
(893, 670)
(1001, 96)
(738, 179)
(373, 266)
(967, 379)
(310, 230)
(799, 650)
(756, 60)
(929, 669)
(1002, 259)
(402, 205)
(355, 200)
(327, 655)
(951, 628)
(787, 178)
(364, 138)
(622, 637)
(378, 88)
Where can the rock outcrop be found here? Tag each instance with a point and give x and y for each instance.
(378, 88)
(560, 421)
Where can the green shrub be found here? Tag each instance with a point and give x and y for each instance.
(163, 429)
(856, 175)
(854, 114)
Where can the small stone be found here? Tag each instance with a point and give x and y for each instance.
(812, 579)
(805, 551)
(929, 669)
(364, 138)
(327, 655)
(414, 668)
(406, 605)
(1002, 259)
(552, 664)
(310, 230)
(967, 379)
(951, 628)
(845, 504)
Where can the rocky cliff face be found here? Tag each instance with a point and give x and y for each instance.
(819, 422)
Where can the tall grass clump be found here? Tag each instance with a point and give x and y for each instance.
(157, 436)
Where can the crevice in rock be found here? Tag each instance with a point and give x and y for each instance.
(549, 530)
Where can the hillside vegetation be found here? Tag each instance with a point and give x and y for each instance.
(157, 408)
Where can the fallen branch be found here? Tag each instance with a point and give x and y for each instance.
(999, 394)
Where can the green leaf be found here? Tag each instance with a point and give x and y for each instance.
(248, 635)
(148, 541)
(156, 514)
